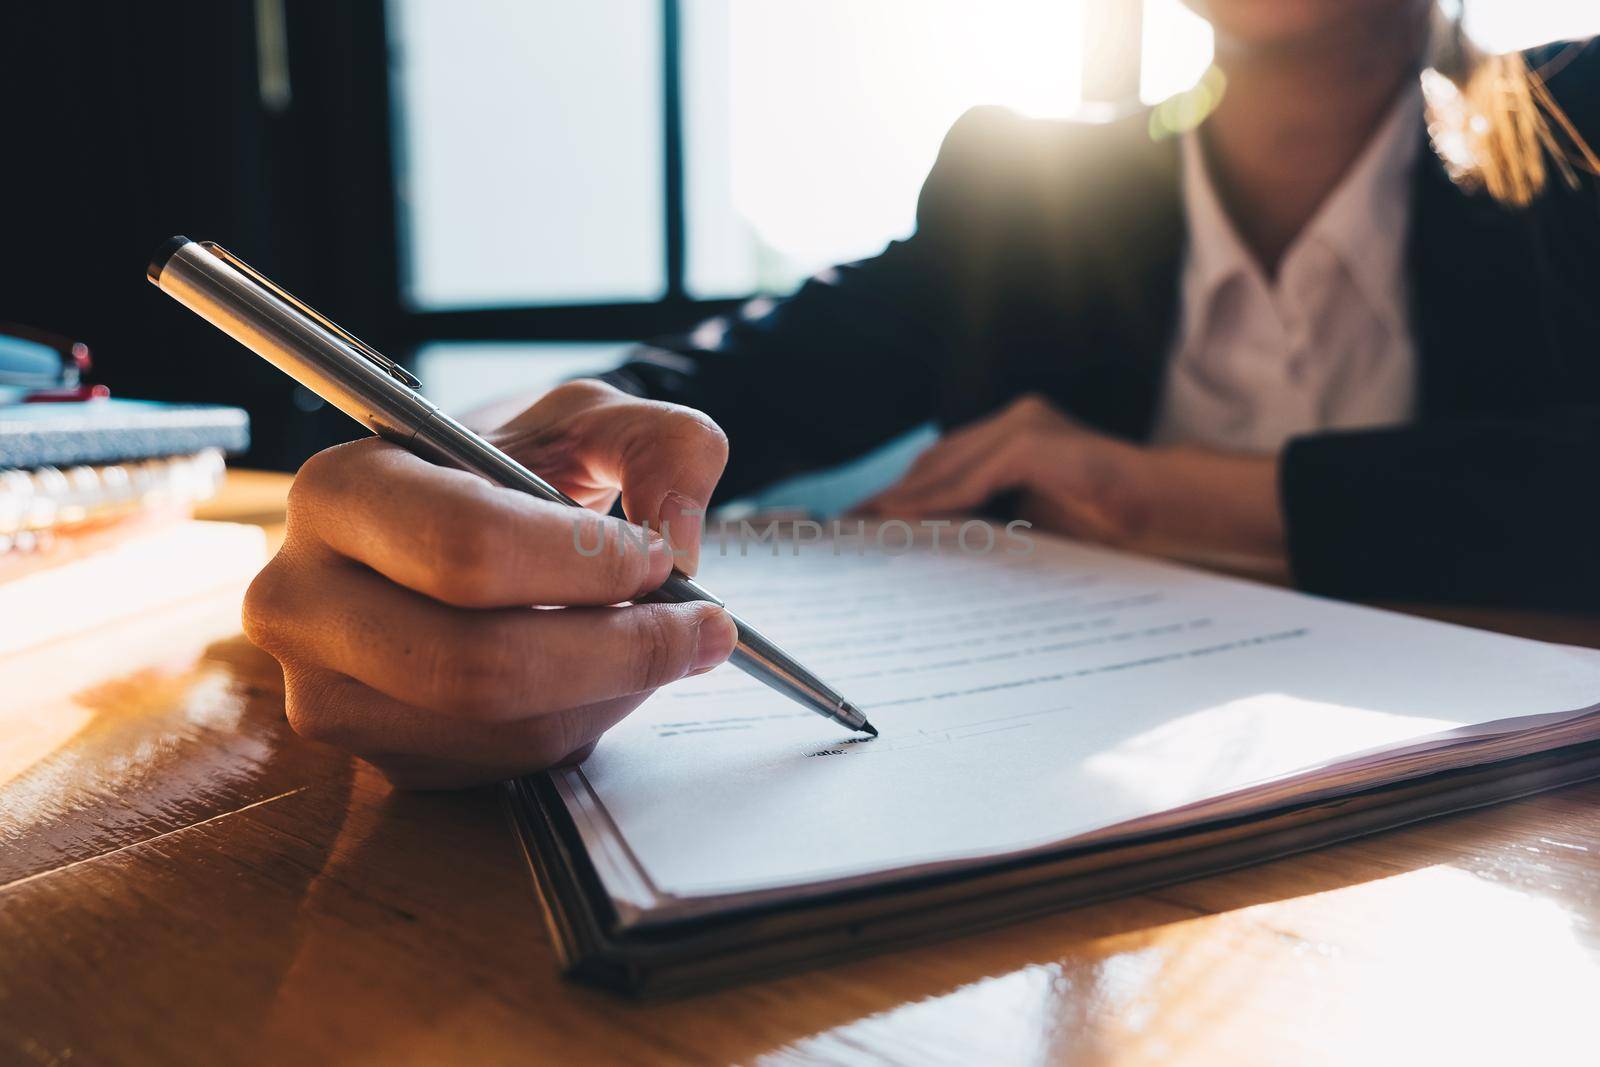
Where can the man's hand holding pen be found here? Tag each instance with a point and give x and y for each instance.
(398, 603)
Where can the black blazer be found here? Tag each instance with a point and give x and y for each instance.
(1046, 259)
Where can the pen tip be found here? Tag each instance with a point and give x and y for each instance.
(850, 715)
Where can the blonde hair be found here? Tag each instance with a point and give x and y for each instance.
(1494, 123)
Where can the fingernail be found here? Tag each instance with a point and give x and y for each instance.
(714, 641)
(681, 520)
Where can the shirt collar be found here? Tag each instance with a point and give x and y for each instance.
(1362, 221)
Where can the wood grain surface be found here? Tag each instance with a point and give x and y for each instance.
(183, 881)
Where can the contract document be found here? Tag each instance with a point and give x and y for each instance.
(1036, 695)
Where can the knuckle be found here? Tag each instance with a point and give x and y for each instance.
(473, 673)
(1030, 404)
(319, 475)
(693, 430)
(1014, 453)
(310, 705)
(302, 493)
(655, 648)
(622, 563)
(704, 430)
(325, 478)
(305, 495)
(310, 722)
(583, 389)
(565, 410)
(558, 417)
(266, 605)
(312, 473)
(466, 558)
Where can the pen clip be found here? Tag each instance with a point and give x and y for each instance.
(393, 369)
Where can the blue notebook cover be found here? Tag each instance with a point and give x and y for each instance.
(114, 431)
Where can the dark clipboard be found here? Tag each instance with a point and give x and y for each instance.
(708, 953)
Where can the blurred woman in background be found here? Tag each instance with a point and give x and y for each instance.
(1335, 313)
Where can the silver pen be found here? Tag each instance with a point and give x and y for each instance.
(382, 395)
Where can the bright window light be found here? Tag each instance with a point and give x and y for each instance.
(1510, 25)
(532, 135)
(812, 123)
(1177, 50)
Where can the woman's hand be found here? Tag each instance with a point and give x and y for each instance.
(1183, 502)
(402, 604)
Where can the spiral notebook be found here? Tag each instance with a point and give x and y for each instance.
(1058, 725)
(115, 431)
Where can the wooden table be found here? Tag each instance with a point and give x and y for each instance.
(182, 880)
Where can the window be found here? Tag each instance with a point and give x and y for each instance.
(809, 125)
(531, 152)
(609, 169)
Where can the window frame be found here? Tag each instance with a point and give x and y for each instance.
(373, 125)
(674, 311)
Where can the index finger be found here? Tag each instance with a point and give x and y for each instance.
(665, 458)
(460, 539)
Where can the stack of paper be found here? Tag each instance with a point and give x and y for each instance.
(1029, 704)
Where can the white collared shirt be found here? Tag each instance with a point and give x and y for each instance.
(1327, 344)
